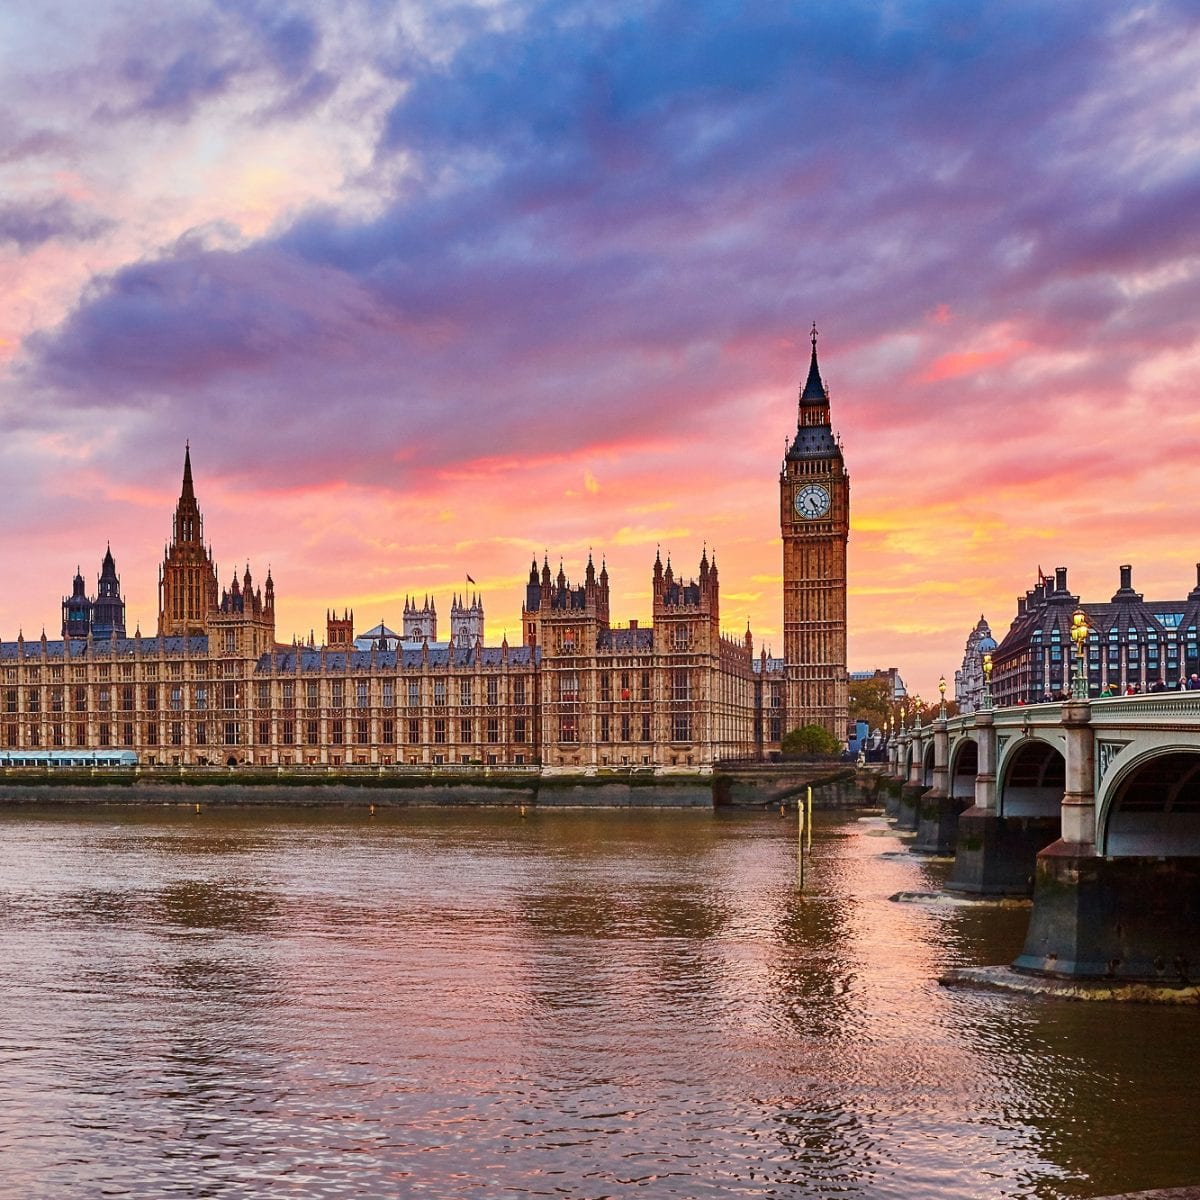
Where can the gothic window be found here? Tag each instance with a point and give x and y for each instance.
(465, 731)
(518, 689)
(493, 730)
(464, 691)
(414, 693)
(360, 694)
(493, 690)
(337, 694)
(389, 694)
(439, 692)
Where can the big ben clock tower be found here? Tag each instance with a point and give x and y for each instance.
(814, 515)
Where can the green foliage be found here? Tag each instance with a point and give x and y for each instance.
(870, 701)
(810, 741)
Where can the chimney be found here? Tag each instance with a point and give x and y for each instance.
(1060, 579)
(1126, 578)
(633, 624)
(1020, 606)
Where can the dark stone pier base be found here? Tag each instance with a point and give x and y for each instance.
(997, 856)
(1125, 919)
(891, 795)
(937, 823)
(907, 812)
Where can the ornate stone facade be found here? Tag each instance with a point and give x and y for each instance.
(215, 687)
(1132, 642)
(968, 679)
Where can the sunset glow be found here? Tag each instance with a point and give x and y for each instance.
(437, 291)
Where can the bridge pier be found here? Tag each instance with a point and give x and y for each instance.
(937, 810)
(997, 856)
(1130, 920)
(907, 813)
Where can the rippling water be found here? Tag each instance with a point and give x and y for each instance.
(450, 1003)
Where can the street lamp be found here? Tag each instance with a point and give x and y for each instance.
(903, 714)
(985, 701)
(917, 706)
(1079, 635)
(942, 704)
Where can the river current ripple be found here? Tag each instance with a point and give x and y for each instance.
(475, 1004)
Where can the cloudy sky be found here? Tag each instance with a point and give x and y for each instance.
(434, 288)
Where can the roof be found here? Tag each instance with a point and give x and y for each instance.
(123, 647)
(312, 662)
(625, 641)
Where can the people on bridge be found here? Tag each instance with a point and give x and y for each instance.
(1193, 683)
(1131, 689)
(1108, 692)
(1159, 685)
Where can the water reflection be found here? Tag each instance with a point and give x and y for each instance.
(472, 1004)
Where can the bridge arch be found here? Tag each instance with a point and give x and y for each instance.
(1032, 780)
(964, 766)
(927, 762)
(1151, 807)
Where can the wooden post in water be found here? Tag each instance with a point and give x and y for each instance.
(803, 834)
(799, 844)
(808, 824)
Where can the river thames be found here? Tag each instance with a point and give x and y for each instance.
(454, 1003)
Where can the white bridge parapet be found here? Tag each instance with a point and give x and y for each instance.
(1124, 771)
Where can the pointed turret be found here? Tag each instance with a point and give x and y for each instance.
(814, 391)
(187, 493)
(814, 438)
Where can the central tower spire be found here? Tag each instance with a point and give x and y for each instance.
(187, 580)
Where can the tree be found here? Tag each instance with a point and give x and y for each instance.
(810, 741)
(871, 701)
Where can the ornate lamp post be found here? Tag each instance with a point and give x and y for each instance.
(942, 704)
(917, 707)
(985, 700)
(903, 714)
(1079, 635)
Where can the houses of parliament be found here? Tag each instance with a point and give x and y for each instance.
(214, 686)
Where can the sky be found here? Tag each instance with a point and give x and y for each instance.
(434, 289)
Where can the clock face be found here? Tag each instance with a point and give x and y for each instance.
(811, 501)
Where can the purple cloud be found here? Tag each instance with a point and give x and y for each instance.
(31, 223)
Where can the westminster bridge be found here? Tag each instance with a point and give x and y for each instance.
(1090, 806)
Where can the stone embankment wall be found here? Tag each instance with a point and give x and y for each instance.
(308, 788)
(765, 786)
(773, 784)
